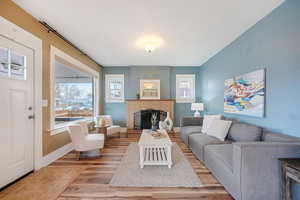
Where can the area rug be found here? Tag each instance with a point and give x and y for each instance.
(129, 173)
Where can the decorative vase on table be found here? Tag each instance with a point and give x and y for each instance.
(153, 128)
(154, 122)
(169, 123)
(163, 125)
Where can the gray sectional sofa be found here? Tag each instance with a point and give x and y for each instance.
(246, 163)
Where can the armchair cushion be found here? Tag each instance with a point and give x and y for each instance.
(113, 129)
(94, 137)
(84, 127)
(92, 141)
(83, 141)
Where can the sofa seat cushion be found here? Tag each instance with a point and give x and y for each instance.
(188, 130)
(221, 152)
(219, 160)
(197, 142)
(113, 130)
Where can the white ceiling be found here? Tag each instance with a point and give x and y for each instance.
(193, 30)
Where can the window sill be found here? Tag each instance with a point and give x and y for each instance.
(61, 128)
(114, 101)
(185, 100)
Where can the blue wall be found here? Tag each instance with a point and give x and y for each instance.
(167, 76)
(274, 44)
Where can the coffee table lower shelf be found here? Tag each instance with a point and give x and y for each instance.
(155, 155)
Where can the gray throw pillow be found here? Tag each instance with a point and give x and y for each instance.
(242, 132)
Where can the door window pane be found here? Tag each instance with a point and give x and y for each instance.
(74, 94)
(12, 64)
(4, 62)
(18, 66)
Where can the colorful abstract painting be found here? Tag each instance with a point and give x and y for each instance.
(245, 94)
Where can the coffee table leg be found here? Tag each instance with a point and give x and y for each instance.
(142, 156)
(169, 157)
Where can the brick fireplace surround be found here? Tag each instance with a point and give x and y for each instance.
(133, 106)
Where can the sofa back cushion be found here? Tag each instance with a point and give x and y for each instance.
(242, 132)
(277, 137)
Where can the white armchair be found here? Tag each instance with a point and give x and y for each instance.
(82, 140)
(106, 120)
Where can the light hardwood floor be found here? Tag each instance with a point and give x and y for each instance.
(88, 178)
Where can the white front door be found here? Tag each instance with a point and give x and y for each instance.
(16, 111)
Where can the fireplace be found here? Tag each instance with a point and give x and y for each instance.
(142, 118)
(137, 105)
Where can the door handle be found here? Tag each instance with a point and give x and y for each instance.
(31, 117)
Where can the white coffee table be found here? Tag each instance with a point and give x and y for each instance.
(154, 151)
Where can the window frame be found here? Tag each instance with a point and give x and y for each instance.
(54, 54)
(189, 77)
(108, 78)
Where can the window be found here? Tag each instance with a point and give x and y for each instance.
(114, 88)
(12, 64)
(185, 88)
(74, 91)
(74, 94)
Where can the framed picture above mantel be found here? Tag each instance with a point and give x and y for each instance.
(149, 89)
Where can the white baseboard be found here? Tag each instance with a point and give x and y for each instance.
(51, 157)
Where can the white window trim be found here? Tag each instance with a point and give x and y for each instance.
(109, 77)
(56, 129)
(193, 97)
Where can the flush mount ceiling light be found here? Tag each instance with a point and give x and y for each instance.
(150, 42)
(149, 47)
